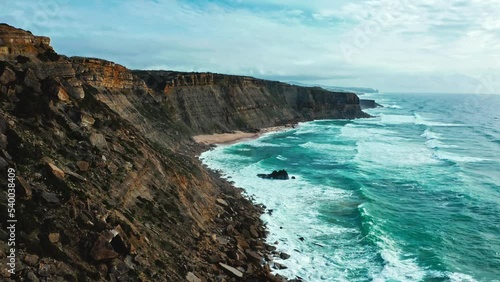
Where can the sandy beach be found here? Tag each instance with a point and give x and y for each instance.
(237, 136)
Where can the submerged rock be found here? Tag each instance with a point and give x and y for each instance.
(281, 175)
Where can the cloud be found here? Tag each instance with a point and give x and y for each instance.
(339, 42)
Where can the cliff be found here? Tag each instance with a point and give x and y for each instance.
(107, 183)
(210, 103)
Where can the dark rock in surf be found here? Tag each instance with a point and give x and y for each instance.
(279, 175)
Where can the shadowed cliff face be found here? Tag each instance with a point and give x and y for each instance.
(108, 186)
(210, 103)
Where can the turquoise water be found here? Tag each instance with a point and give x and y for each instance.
(410, 195)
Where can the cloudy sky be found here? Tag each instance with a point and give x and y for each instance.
(393, 45)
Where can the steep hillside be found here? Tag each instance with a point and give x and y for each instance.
(107, 183)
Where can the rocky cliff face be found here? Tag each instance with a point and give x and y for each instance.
(107, 184)
(210, 103)
(16, 41)
(104, 74)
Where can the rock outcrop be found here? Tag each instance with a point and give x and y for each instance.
(15, 41)
(110, 188)
(368, 104)
(280, 175)
(104, 74)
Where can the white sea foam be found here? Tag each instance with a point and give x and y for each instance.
(429, 134)
(396, 119)
(433, 143)
(313, 130)
(396, 268)
(424, 121)
(295, 206)
(354, 132)
(392, 106)
(261, 143)
(386, 119)
(394, 154)
(435, 140)
(305, 131)
(460, 277)
(457, 158)
(327, 148)
(281, 158)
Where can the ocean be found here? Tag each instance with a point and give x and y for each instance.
(412, 194)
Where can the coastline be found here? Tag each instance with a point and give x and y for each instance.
(259, 245)
(119, 166)
(237, 136)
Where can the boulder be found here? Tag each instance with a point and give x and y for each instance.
(7, 76)
(279, 266)
(235, 272)
(86, 120)
(57, 172)
(76, 175)
(102, 248)
(62, 95)
(23, 188)
(50, 198)
(97, 140)
(280, 175)
(31, 81)
(254, 256)
(83, 166)
(284, 256)
(31, 260)
(190, 277)
(54, 237)
(253, 232)
(222, 202)
(112, 168)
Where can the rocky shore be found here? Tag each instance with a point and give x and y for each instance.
(108, 186)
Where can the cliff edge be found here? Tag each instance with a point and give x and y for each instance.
(108, 187)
